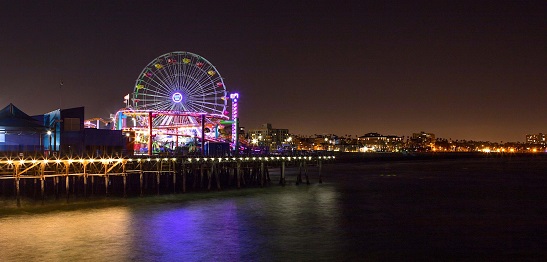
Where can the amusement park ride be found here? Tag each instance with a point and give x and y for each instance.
(179, 102)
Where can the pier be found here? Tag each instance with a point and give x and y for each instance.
(41, 179)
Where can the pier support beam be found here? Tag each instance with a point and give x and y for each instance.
(42, 181)
(261, 174)
(183, 170)
(320, 175)
(158, 183)
(209, 174)
(106, 183)
(282, 175)
(56, 186)
(299, 176)
(67, 183)
(42, 188)
(85, 180)
(18, 193)
(124, 185)
(140, 180)
(67, 186)
(306, 173)
(217, 177)
(174, 177)
(201, 170)
(238, 174)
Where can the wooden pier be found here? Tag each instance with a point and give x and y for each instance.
(44, 178)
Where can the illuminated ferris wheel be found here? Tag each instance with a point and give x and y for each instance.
(180, 86)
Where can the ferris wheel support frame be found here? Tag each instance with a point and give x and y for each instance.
(152, 114)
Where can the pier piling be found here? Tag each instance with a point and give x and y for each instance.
(282, 175)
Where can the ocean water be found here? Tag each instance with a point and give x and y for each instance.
(467, 209)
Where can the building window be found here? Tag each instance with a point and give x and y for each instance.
(72, 124)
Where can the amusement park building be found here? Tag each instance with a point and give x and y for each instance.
(20, 132)
(58, 132)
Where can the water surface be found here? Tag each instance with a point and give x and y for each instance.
(449, 209)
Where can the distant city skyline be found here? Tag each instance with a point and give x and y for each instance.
(526, 138)
(472, 70)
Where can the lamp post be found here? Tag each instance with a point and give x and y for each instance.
(49, 141)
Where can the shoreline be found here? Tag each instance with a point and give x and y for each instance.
(350, 157)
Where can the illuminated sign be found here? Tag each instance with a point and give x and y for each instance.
(234, 96)
(177, 97)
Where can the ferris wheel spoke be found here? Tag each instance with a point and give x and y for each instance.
(190, 83)
(163, 73)
(211, 99)
(179, 74)
(200, 90)
(182, 72)
(192, 87)
(211, 109)
(206, 106)
(215, 99)
(155, 85)
(172, 70)
(194, 108)
(159, 105)
(205, 81)
(192, 72)
(212, 92)
(163, 82)
(184, 107)
(204, 102)
(199, 80)
(169, 79)
(161, 78)
(153, 98)
(197, 108)
(158, 93)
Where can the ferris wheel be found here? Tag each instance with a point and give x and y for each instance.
(181, 85)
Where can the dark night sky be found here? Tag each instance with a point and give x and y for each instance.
(459, 69)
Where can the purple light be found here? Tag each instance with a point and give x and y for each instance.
(234, 97)
(177, 97)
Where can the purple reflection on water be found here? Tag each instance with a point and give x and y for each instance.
(191, 233)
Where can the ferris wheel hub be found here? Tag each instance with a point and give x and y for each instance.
(177, 97)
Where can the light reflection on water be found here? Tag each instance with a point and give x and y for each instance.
(274, 224)
(66, 236)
